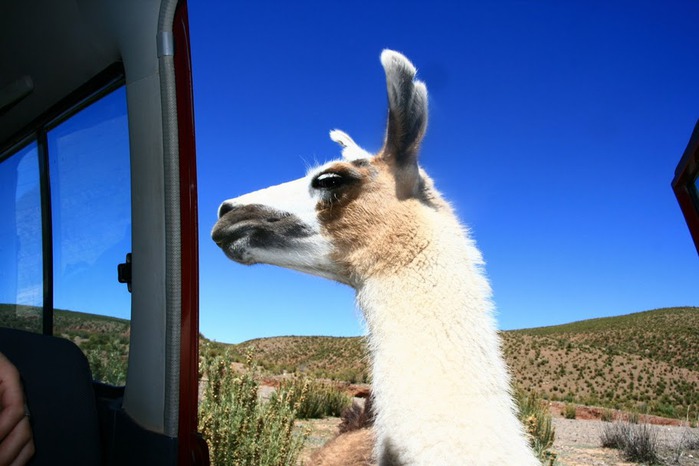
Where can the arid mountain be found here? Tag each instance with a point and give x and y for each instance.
(670, 335)
(339, 358)
(647, 361)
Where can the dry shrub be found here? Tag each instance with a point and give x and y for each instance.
(607, 415)
(642, 445)
(637, 442)
(614, 435)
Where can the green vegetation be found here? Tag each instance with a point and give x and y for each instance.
(315, 399)
(589, 362)
(569, 411)
(104, 340)
(669, 335)
(536, 419)
(20, 317)
(240, 428)
(607, 415)
(335, 358)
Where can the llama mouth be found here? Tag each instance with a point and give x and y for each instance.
(235, 240)
(239, 237)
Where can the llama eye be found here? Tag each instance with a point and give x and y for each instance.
(328, 180)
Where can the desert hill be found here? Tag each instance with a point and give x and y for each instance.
(645, 361)
(648, 361)
(670, 335)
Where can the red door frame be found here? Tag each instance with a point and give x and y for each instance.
(192, 447)
(684, 185)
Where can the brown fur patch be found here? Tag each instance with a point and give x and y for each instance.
(372, 229)
(362, 174)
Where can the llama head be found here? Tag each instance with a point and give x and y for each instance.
(349, 218)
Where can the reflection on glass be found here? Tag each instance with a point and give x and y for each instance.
(91, 212)
(21, 282)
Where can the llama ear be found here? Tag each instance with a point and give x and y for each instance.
(350, 150)
(407, 111)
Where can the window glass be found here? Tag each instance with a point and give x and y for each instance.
(21, 273)
(91, 212)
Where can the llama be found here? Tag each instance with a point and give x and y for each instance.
(376, 223)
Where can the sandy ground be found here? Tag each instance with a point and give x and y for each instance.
(577, 442)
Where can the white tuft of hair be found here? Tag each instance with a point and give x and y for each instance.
(350, 149)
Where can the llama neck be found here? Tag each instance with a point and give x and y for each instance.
(431, 333)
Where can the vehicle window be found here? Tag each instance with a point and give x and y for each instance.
(90, 204)
(21, 267)
(91, 213)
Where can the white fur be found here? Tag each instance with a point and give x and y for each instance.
(440, 385)
(293, 197)
(350, 150)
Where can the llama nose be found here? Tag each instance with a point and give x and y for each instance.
(225, 208)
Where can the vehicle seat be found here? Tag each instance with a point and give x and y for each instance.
(58, 386)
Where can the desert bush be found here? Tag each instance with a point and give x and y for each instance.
(642, 445)
(633, 417)
(108, 365)
(607, 415)
(238, 427)
(666, 409)
(637, 442)
(569, 411)
(315, 400)
(537, 423)
(614, 435)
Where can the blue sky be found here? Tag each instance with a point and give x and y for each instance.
(555, 129)
(90, 209)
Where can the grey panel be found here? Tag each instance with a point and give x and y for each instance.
(59, 45)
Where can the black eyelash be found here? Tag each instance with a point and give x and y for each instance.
(329, 180)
